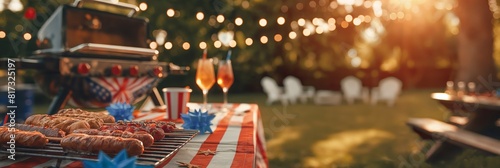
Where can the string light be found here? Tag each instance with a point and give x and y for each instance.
(248, 41)
(312, 4)
(344, 24)
(153, 45)
(245, 4)
(203, 45)
(217, 44)
(348, 18)
(299, 6)
(319, 30)
(170, 12)
(368, 19)
(27, 36)
(401, 15)
(186, 45)
(2, 34)
(143, 6)
(356, 21)
(278, 37)
(301, 22)
(168, 45)
(393, 16)
(232, 44)
(220, 18)
(334, 5)
(306, 32)
(331, 21)
(238, 21)
(292, 35)
(200, 16)
(212, 21)
(332, 27)
(264, 39)
(284, 8)
(19, 28)
(262, 22)
(280, 20)
(367, 4)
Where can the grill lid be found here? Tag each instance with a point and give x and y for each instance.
(78, 29)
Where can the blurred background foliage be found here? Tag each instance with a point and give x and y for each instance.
(320, 41)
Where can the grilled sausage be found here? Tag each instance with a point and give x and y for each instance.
(67, 124)
(50, 132)
(144, 137)
(79, 113)
(157, 133)
(95, 143)
(23, 138)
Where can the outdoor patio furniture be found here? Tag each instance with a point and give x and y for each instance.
(478, 131)
(294, 90)
(351, 89)
(273, 91)
(327, 97)
(443, 132)
(388, 90)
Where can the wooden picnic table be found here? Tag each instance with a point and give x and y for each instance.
(478, 131)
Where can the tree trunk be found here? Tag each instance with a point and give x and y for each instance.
(475, 45)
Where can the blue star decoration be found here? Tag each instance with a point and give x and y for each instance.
(121, 111)
(120, 161)
(198, 120)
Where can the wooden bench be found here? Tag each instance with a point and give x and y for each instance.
(460, 121)
(444, 132)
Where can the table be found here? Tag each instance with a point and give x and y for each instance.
(482, 114)
(238, 138)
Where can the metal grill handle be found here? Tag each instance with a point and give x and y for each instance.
(133, 8)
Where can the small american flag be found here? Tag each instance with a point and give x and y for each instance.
(109, 90)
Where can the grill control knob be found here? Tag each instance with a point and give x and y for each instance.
(83, 68)
(116, 70)
(133, 70)
(158, 71)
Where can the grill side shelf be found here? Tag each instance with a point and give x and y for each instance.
(154, 155)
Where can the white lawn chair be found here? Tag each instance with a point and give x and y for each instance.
(351, 88)
(294, 90)
(388, 90)
(273, 91)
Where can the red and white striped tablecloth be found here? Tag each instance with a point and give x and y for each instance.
(238, 138)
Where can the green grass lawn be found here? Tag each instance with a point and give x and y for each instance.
(359, 135)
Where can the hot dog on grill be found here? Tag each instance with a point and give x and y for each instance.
(50, 132)
(144, 137)
(23, 138)
(67, 124)
(79, 113)
(157, 133)
(108, 144)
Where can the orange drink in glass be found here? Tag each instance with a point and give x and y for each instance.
(205, 77)
(225, 77)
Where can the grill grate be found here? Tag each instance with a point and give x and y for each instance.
(154, 155)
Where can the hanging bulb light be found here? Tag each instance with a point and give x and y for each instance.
(15, 6)
(160, 36)
(225, 37)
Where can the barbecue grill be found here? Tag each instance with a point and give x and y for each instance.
(91, 58)
(153, 156)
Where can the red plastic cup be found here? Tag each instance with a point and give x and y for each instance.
(176, 99)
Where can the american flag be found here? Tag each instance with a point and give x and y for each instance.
(116, 89)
